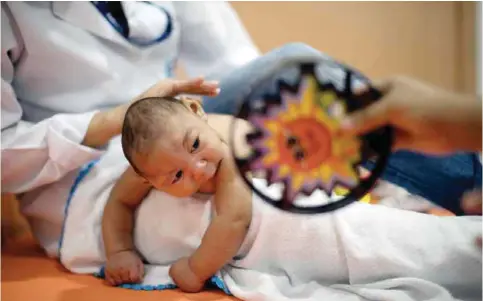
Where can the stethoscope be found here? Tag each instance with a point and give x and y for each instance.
(113, 12)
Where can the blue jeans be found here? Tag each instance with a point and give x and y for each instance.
(442, 180)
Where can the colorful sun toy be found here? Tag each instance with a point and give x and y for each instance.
(297, 140)
(301, 145)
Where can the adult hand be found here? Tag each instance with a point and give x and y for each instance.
(471, 204)
(425, 118)
(107, 124)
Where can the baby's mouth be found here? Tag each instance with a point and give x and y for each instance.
(211, 171)
(208, 184)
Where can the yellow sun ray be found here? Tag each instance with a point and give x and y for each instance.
(297, 181)
(341, 191)
(290, 114)
(271, 158)
(273, 126)
(284, 170)
(271, 143)
(325, 173)
(307, 103)
(322, 117)
(327, 98)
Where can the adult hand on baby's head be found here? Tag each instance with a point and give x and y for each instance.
(170, 87)
(108, 124)
(124, 267)
(173, 87)
(184, 277)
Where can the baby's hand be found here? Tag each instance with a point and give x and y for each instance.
(124, 267)
(184, 277)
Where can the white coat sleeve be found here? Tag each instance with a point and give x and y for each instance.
(213, 39)
(35, 154)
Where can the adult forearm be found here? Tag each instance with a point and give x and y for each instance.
(103, 127)
(475, 124)
(466, 130)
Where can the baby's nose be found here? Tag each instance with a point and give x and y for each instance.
(203, 170)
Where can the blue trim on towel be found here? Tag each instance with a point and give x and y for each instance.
(82, 173)
(215, 282)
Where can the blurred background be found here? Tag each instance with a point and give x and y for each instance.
(433, 41)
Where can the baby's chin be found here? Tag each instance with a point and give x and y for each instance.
(209, 186)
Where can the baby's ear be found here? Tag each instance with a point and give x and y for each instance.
(194, 105)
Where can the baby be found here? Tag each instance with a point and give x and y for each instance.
(171, 146)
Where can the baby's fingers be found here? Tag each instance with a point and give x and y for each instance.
(141, 270)
(367, 119)
(113, 279)
(136, 274)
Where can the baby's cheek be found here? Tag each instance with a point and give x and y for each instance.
(185, 188)
(213, 153)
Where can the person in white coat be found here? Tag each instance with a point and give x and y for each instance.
(64, 62)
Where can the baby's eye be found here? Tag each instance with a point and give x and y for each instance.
(195, 145)
(177, 177)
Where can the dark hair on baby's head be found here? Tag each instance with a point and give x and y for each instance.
(144, 122)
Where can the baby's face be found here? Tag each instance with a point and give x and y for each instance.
(185, 160)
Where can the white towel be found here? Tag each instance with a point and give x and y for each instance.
(362, 252)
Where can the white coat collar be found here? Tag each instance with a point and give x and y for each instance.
(85, 15)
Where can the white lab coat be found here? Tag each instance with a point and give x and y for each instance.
(62, 61)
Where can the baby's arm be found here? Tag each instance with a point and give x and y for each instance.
(122, 262)
(224, 235)
(229, 226)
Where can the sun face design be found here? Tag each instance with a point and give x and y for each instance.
(300, 144)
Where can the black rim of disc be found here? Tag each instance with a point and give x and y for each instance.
(376, 144)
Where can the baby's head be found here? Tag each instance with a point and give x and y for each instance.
(168, 142)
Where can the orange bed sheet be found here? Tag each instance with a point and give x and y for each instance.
(28, 275)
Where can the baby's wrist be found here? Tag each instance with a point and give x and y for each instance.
(118, 251)
(196, 270)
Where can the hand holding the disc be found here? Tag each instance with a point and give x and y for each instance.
(425, 118)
